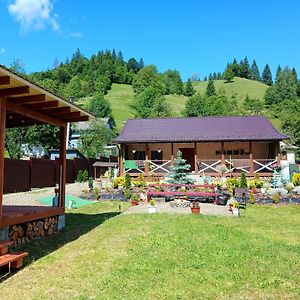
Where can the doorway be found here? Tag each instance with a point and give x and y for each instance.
(189, 155)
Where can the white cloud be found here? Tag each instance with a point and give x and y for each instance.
(2, 50)
(34, 14)
(76, 34)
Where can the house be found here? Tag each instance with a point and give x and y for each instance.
(247, 144)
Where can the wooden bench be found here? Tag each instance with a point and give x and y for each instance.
(13, 260)
(205, 190)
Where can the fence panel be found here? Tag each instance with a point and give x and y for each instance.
(16, 175)
(80, 164)
(43, 172)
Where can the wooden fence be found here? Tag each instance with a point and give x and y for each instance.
(23, 175)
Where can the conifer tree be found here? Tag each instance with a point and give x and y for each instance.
(278, 71)
(254, 71)
(266, 76)
(189, 90)
(210, 90)
(179, 173)
(244, 68)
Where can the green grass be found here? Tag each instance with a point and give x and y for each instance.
(240, 87)
(110, 256)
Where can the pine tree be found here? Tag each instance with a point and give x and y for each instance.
(141, 64)
(210, 90)
(278, 71)
(235, 68)
(244, 68)
(179, 173)
(254, 71)
(205, 78)
(266, 76)
(189, 90)
(243, 181)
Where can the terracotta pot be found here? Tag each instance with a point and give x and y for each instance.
(195, 210)
(134, 202)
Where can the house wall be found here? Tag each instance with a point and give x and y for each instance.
(260, 150)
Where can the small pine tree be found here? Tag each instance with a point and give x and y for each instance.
(79, 176)
(278, 71)
(243, 181)
(254, 71)
(179, 174)
(189, 90)
(127, 184)
(85, 176)
(210, 90)
(266, 76)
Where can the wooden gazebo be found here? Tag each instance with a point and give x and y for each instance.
(23, 103)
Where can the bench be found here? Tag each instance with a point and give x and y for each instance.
(13, 260)
(204, 191)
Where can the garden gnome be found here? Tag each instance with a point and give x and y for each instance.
(55, 199)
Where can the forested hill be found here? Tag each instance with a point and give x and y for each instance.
(109, 86)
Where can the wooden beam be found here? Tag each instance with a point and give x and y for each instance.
(2, 144)
(70, 116)
(62, 165)
(43, 105)
(222, 153)
(27, 99)
(196, 157)
(4, 80)
(80, 119)
(121, 165)
(14, 91)
(33, 114)
(57, 111)
(251, 159)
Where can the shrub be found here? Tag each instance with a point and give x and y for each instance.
(232, 183)
(96, 193)
(127, 182)
(118, 182)
(127, 193)
(91, 183)
(296, 179)
(134, 197)
(152, 202)
(251, 198)
(235, 204)
(273, 192)
(243, 181)
(296, 190)
(79, 176)
(85, 176)
(276, 198)
(290, 186)
(255, 184)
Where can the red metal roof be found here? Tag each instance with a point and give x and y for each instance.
(199, 129)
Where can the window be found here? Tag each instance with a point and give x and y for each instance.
(139, 155)
(155, 155)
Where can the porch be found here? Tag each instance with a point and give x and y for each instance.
(157, 159)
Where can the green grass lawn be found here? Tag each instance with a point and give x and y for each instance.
(240, 86)
(104, 255)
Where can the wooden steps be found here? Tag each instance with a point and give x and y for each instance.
(13, 260)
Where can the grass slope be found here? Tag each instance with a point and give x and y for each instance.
(240, 86)
(103, 255)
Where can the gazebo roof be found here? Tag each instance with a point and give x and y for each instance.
(29, 104)
(199, 129)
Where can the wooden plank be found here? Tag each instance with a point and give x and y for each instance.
(14, 91)
(40, 212)
(27, 99)
(80, 119)
(33, 114)
(4, 80)
(13, 257)
(2, 143)
(43, 105)
(70, 116)
(62, 166)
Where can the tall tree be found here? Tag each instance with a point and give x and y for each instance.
(228, 74)
(278, 70)
(244, 68)
(210, 89)
(99, 106)
(172, 82)
(255, 75)
(266, 76)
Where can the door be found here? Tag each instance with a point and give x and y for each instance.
(189, 155)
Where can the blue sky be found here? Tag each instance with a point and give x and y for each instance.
(190, 36)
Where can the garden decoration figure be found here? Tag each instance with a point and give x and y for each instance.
(55, 199)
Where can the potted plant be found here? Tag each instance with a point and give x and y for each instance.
(134, 200)
(151, 207)
(195, 207)
(235, 208)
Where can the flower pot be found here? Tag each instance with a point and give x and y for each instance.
(134, 202)
(236, 211)
(195, 210)
(151, 209)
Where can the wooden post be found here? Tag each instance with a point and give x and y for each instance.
(147, 166)
(2, 143)
(279, 157)
(62, 165)
(222, 153)
(95, 173)
(251, 159)
(172, 154)
(196, 158)
(121, 162)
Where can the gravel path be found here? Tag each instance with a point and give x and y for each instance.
(205, 209)
(30, 198)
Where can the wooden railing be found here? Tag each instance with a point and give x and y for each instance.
(264, 165)
(209, 165)
(160, 166)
